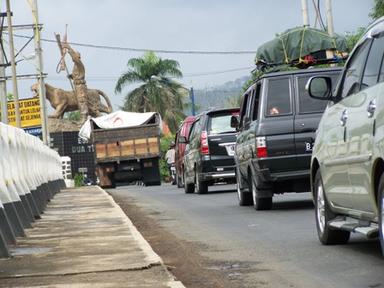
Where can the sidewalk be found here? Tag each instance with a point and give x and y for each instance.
(84, 240)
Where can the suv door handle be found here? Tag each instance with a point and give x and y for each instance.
(343, 118)
(371, 108)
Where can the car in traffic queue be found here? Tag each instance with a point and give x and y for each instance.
(347, 166)
(276, 130)
(209, 154)
(180, 149)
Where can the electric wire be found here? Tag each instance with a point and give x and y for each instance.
(130, 49)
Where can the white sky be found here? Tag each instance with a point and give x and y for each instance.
(210, 25)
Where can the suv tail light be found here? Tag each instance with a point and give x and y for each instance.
(204, 148)
(261, 147)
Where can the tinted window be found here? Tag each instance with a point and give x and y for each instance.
(351, 83)
(220, 124)
(278, 98)
(255, 103)
(308, 104)
(243, 109)
(374, 60)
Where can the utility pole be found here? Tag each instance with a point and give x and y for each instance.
(192, 95)
(38, 50)
(304, 11)
(13, 65)
(328, 11)
(3, 90)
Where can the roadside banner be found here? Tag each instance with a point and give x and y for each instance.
(29, 112)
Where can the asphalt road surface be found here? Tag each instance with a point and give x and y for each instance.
(277, 248)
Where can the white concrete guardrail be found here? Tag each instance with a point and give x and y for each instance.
(30, 175)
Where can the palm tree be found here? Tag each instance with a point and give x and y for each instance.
(157, 92)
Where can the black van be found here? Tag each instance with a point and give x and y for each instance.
(276, 131)
(209, 154)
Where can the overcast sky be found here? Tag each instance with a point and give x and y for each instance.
(203, 25)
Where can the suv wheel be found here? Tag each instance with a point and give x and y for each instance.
(259, 203)
(188, 188)
(381, 212)
(245, 198)
(200, 186)
(324, 214)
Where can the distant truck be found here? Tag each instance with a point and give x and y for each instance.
(127, 147)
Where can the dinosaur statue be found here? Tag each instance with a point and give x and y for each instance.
(64, 101)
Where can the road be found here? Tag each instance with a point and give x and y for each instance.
(277, 248)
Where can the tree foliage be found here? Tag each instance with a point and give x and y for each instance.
(377, 10)
(157, 92)
(353, 37)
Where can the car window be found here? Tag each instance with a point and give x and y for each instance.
(194, 129)
(308, 104)
(278, 97)
(221, 123)
(255, 103)
(352, 74)
(372, 68)
(243, 109)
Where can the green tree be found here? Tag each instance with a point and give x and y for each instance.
(377, 10)
(73, 115)
(353, 37)
(157, 92)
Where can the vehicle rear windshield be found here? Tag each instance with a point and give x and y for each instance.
(221, 123)
(308, 104)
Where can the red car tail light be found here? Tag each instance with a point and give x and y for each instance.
(204, 148)
(261, 147)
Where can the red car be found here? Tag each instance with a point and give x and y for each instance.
(180, 149)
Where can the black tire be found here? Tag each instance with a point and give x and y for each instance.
(188, 188)
(200, 186)
(245, 197)
(380, 202)
(324, 214)
(259, 203)
(152, 183)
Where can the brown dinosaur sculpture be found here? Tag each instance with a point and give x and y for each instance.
(64, 101)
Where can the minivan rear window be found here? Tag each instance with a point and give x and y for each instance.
(308, 104)
(220, 124)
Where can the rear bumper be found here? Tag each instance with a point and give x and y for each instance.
(217, 176)
(217, 168)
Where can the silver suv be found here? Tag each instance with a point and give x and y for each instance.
(347, 166)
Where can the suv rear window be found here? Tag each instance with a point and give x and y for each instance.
(308, 104)
(278, 98)
(220, 123)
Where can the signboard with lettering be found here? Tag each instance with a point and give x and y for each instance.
(29, 112)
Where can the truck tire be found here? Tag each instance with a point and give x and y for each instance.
(152, 183)
(324, 214)
(259, 203)
(245, 198)
(200, 186)
(188, 188)
(381, 212)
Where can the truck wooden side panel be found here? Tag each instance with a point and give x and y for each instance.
(121, 144)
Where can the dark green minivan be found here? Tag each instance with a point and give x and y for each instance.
(276, 130)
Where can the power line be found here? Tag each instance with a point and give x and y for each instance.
(187, 75)
(117, 48)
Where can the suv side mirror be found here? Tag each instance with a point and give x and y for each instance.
(183, 140)
(235, 121)
(319, 87)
